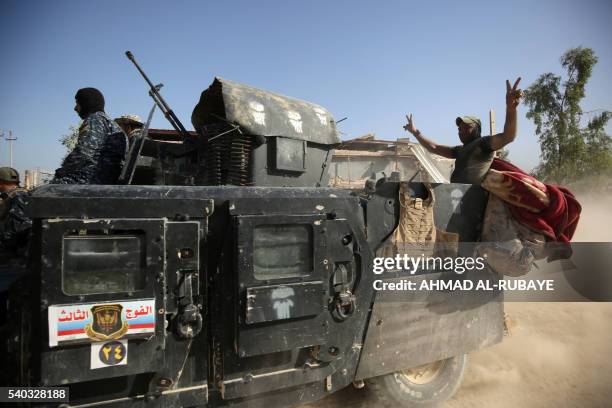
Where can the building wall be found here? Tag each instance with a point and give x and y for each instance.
(357, 169)
(35, 178)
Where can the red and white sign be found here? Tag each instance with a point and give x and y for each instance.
(70, 323)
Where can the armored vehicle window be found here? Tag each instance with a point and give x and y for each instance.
(102, 264)
(282, 251)
(288, 154)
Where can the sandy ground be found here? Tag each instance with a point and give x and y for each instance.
(557, 354)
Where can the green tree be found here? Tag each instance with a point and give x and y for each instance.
(568, 151)
(69, 139)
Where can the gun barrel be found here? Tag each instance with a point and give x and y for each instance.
(159, 100)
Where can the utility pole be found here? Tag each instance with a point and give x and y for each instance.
(502, 153)
(1, 135)
(11, 139)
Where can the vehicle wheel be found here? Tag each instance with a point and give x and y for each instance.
(424, 386)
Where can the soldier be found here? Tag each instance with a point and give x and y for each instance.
(101, 148)
(131, 125)
(474, 156)
(14, 225)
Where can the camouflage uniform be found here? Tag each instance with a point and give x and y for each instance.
(98, 156)
(130, 121)
(14, 234)
(14, 224)
(134, 135)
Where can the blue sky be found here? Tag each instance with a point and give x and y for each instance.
(370, 61)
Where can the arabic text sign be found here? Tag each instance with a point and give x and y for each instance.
(70, 322)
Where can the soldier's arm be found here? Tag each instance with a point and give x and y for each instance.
(431, 146)
(513, 96)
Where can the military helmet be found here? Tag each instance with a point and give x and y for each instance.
(9, 175)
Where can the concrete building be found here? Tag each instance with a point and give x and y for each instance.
(35, 178)
(357, 160)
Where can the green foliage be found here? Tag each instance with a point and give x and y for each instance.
(69, 140)
(568, 151)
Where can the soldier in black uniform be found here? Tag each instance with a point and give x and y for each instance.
(101, 148)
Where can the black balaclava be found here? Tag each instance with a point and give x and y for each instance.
(90, 100)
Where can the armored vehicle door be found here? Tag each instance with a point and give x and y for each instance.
(120, 287)
(290, 297)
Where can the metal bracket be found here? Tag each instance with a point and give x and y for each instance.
(328, 383)
(189, 320)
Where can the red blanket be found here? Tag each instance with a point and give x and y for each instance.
(549, 209)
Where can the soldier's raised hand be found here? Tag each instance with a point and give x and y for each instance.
(410, 125)
(513, 94)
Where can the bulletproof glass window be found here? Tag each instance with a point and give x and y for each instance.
(288, 154)
(103, 264)
(282, 251)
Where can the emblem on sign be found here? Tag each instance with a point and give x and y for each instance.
(107, 323)
(86, 322)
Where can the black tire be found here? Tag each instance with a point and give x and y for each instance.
(400, 390)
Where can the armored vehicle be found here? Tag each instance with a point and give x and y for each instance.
(223, 273)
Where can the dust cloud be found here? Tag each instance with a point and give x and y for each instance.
(557, 354)
(595, 223)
